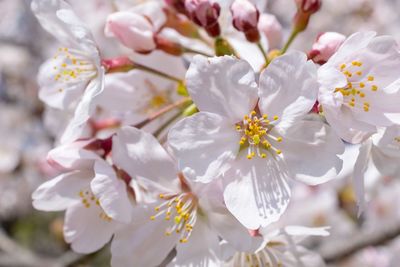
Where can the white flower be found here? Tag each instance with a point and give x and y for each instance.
(360, 86)
(382, 151)
(95, 199)
(190, 217)
(75, 75)
(255, 147)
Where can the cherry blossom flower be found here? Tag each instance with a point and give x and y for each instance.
(75, 75)
(359, 86)
(255, 138)
(95, 199)
(382, 151)
(190, 217)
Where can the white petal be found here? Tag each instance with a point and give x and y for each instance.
(350, 129)
(142, 243)
(360, 168)
(141, 155)
(256, 191)
(73, 156)
(288, 86)
(331, 78)
(310, 150)
(353, 43)
(202, 249)
(111, 192)
(85, 230)
(61, 192)
(84, 110)
(231, 230)
(222, 85)
(57, 17)
(204, 144)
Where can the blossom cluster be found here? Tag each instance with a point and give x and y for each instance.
(183, 143)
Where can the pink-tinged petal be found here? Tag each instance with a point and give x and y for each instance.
(386, 151)
(152, 11)
(61, 192)
(222, 85)
(53, 93)
(141, 155)
(310, 150)
(86, 229)
(257, 192)
(111, 192)
(84, 110)
(57, 17)
(143, 242)
(202, 248)
(348, 128)
(204, 145)
(360, 168)
(288, 87)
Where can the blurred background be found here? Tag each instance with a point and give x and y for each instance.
(32, 238)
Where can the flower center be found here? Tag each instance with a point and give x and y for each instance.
(90, 200)
(359, 86)
(74, 67)
(181, 210)
(257, 135)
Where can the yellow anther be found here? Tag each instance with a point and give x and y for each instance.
(178, 219)
(161, 195)
(343, 66)
(238, 127)
(276, 118)
(246, 117)
(253, 113)
(371, 78)
(263, 155)
(351, 104)
(152, 218)
(279, 139)
(374, 88)
(359, 73)
(362, 85)
(265, 116)
(183, 240)
(278, 151)
(256, 139)
(362, 95)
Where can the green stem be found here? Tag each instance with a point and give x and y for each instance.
(292, 36)
(156, 72)
(188, 50)
(263, 53)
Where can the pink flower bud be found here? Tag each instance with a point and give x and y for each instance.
(245, 19)
(132, 30)
(325, 46)
(205, 14)
(272, 29)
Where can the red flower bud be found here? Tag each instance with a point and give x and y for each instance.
(305, 8)
(245, 19)
(205, 14)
